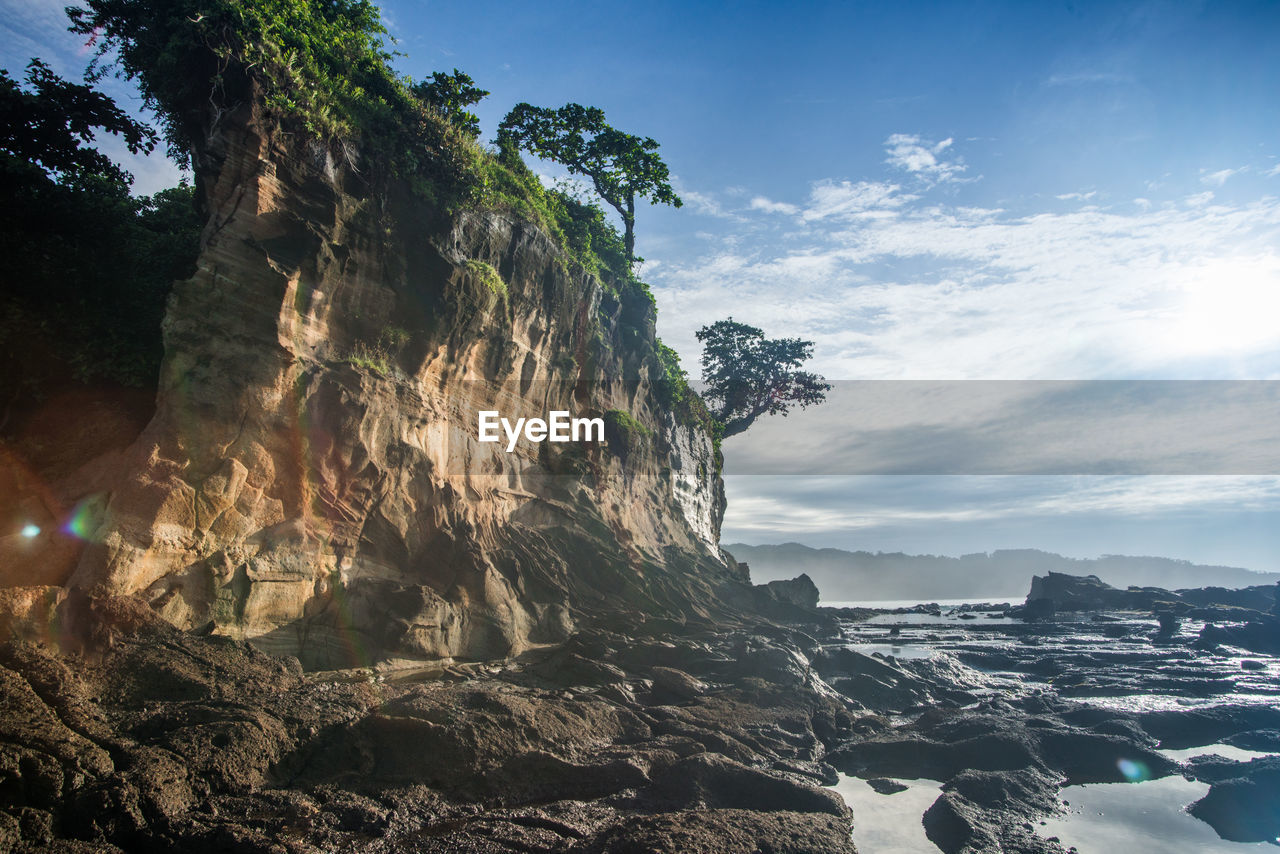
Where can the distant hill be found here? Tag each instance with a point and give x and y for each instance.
(846, 576)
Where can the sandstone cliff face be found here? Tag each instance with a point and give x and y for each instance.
(288, 494)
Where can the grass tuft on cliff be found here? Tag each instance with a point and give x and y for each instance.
(488, 276)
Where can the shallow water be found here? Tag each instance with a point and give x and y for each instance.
(1116, 661)
(1150, 817)
(894, 649)
(1226, 751)
(890, 604)
(889, 824)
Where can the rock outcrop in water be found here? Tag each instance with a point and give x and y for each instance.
(1061, 592)
(314, 484)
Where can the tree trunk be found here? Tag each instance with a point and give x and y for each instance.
(629, 231)
(737, 425)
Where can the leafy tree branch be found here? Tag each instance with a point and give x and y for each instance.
(748, 375)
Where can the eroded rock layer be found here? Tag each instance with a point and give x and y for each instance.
(312, 479)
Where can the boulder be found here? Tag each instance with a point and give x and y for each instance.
(799, 591)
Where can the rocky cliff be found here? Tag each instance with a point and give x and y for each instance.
(311, 479)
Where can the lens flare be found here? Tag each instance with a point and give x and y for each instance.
(1133, 770)
(30, 530)
(80, 523)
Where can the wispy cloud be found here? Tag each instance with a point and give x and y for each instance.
(703, 203)
(893, 285)
(1087, 78)
(923, 158)
(760, 203)
(1077, 197)
(848, 199)
(1218, 178)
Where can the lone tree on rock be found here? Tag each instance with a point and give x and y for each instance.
(621, 166)
(748, 375)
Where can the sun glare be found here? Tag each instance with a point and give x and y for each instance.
(1229, 306)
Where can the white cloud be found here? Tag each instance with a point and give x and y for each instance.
(760, 203)
(1217, 179)
(702, 203)
(922, 158)
(1079, 197)
(1273, 171)
(890, 286)
(847, 199)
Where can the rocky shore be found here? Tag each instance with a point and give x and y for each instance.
(1082, 684)
(635, 736)
(646, 737)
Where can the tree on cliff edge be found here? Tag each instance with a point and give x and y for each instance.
(748, 375)
(621, 166)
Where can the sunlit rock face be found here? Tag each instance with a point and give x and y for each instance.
(312, 478)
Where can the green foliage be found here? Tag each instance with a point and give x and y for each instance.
(393, 339)
(580, 228)
(624, 422)
(324, 73)
(380, 356)
(672, 383)
(621, 166)
(748, 375)
(50, 123)
(450, 95)
(373, 358)
(488, 276)
(88, 268)
(587, 233)
(675, 393)
(624, 433)
(92, 267)
(322, 70)
(321, 67)
(321, 62)
(510, 185)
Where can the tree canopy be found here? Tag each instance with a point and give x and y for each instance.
(748, 375)
(450, 95)
(50, 123)
(88, 266)
(620, 166)
(321, 70)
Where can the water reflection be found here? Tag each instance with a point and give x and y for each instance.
(889, 824)
(1107, 816)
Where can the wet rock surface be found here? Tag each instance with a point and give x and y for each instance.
(636, 736)
(648, 740)
(1007, 709)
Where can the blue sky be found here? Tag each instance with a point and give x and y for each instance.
(935, 191)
